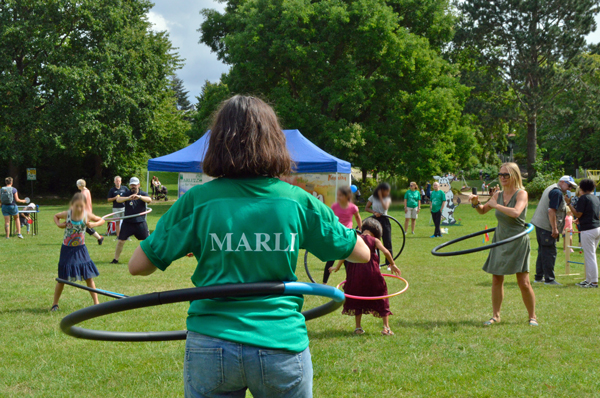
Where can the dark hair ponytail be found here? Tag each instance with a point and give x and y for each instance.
(384, 186)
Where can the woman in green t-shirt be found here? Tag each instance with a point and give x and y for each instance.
(412, 206)
(246, 226)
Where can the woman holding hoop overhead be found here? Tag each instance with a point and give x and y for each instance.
(512, 258)
(246, 226)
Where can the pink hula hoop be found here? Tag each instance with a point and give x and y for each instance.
(378, 297)
(107, 217)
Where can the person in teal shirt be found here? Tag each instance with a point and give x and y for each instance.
(438, 202)
(412, 206)
(246, 226)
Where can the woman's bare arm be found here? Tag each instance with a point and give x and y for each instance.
(140, 264)
(361, 252)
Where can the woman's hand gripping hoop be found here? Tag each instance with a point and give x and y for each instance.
(478, 249)
(378, 297)
(115, 216)
(199, 293)
(397, 255)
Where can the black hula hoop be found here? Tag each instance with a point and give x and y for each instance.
(68, 323)
(401, 229)
(397, 255)
(89, 289)
(477, 249)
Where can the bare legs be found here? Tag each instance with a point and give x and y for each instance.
(7, 226)
(526, 292)
(357, 319)
(57, 292)
(386, 325)
(60, 286)
(413, 223)
(119, 249)
(497, 295)
(17, 224)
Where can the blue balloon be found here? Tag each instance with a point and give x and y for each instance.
(353, 188)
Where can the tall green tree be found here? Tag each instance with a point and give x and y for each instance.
(570, 132)
(181, 94)
(522, 41)
(364, 79)
(83, 78)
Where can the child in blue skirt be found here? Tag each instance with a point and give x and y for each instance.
(75, 263)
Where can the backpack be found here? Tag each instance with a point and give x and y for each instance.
(6, 196)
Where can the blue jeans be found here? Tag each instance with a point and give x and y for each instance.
(219, 368)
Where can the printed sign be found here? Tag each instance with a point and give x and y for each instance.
(31, 175)
(321, 185)
(187, 181)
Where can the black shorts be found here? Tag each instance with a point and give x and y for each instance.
(139, 230)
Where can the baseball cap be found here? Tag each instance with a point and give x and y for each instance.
(134, 181)
(569, 180)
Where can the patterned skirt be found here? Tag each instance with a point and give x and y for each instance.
(75, 264)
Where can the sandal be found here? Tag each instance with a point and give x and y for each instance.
(54, 308)
(533, 322)
(387, 332)
(490, 322)
(359, 331)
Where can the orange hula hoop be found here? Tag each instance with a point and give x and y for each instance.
(378, 297)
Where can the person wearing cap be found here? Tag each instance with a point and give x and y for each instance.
(135, 203)
(549, 221)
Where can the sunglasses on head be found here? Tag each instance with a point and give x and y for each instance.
(504, 175)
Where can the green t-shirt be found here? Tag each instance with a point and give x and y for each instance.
(437, 198)
(412, 198)
(246, 231)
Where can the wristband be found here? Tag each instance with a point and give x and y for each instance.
(474, 206)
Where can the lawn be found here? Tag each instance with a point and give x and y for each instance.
(440, 348)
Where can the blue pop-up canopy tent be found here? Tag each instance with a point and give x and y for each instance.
(308, 157)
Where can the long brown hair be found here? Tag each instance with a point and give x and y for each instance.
(246, 140)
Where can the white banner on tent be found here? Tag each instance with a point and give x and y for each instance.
(187, 181)
(323, 186)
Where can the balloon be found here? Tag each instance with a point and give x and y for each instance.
(353, 188)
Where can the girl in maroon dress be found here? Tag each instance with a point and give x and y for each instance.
(366, 280)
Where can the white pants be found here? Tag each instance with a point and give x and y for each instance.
(589, 243)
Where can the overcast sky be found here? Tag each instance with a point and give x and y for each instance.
(181, 18)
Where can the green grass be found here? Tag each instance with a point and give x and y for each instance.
(440, 348)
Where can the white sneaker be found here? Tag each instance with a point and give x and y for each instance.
(582, 283)
(20, 236)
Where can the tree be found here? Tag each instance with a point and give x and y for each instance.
(364, 79)
(570, 131)
(209, 100)
(84, 78)
(522, 41)
(183, 103)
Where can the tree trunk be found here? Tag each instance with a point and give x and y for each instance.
(13, 171)
(97, 168)
(364, 175)
(531, 144)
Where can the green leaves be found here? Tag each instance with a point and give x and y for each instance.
(363, 79)
(85, 78)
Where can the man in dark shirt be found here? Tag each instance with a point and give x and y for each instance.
(113, 194)
(135, 203)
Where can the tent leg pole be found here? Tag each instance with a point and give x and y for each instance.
(147, 180)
